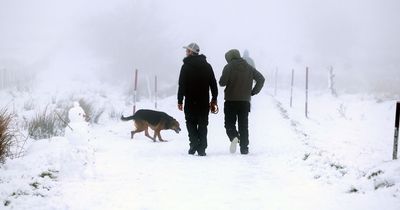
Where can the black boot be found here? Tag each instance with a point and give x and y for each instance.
(191, 151)
(201, 153)
(244, 150)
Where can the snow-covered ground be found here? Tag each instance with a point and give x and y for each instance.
(339, 158)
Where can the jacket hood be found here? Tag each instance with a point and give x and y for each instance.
(195, 60)
(232, 55)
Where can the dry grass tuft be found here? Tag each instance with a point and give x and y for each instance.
(45, 125)
(6, 135)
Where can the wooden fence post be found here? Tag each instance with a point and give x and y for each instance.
(331, 82)
(276, 81)
(155, 92)
(291, 89)
(3, 78)
(306, 105)
(396, 131)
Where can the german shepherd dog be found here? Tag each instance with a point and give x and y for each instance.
(157, 121)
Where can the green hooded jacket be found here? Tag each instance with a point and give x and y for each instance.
(238, 77)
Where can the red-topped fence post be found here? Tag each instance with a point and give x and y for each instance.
(135, 92)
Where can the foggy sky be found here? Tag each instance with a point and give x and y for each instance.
(109, 39)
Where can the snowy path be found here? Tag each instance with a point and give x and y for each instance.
(140, 174)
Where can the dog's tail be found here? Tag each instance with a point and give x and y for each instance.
(127, 118)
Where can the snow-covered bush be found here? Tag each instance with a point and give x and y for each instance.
(342, 110)
(113, 114)
(92, 115)
(87, 108)
(45, 125)
(29, 105)
(6, 135)
(97, 115)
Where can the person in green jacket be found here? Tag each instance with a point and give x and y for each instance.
(237, 78)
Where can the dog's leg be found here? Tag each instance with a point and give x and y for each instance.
(146, 132)
(132, 133)
(139, 127)
(159, 135)
(155, 133)
(155, 136)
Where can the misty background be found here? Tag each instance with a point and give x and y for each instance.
(54, 41)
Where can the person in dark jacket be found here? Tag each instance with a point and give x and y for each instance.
(195, 81)
(238, 77)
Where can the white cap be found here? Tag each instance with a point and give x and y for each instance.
(193, 47)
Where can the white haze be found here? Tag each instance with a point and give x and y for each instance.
(107, 40)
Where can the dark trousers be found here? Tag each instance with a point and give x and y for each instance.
(196, 124)
(237, 111)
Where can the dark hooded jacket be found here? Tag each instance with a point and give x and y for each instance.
(195, 81)
(238, 78)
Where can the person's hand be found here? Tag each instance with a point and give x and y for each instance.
(253, 93)
(214, 107)
(180, 107)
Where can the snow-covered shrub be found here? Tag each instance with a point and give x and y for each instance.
(342, 110)
(87, 108)
(6, 135)
(45, 125)
(54, 99)
(29, 105)
(97, 115)
(62, 108)
(113, 114)
(92, 115)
